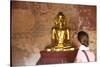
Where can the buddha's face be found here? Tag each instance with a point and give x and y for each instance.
(60, 20)
(60, 25)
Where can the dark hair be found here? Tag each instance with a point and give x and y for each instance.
(85, 41)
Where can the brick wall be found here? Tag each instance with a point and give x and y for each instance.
(32, 23)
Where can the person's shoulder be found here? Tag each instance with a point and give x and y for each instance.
(82, 47)
(91, 52)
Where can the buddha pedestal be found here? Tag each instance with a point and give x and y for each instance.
(57, 57)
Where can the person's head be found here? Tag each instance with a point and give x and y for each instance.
(83, 38)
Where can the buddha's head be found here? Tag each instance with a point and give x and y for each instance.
(60, 20)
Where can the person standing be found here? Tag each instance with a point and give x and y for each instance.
(81, 42)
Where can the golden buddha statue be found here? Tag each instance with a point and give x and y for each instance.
(60, 35)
